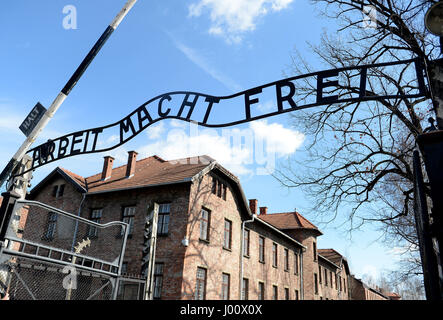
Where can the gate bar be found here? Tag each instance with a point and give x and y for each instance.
(12, 165)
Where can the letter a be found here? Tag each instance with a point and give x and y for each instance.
(70, 21)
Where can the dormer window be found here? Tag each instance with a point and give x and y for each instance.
(314, 247)
(219, 188)
(58, 191)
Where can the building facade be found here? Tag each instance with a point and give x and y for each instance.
(361, 291)
(212, 243)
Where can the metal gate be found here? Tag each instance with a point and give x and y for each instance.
(50, 254)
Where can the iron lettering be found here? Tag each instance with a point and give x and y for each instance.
(204, 109)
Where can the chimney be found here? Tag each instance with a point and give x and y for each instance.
(130, 167)
(253, 203)
(107, 167)
(263, 211)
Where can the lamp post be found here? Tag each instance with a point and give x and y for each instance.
(429, 225)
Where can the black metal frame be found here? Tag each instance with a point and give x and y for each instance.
(78, 141)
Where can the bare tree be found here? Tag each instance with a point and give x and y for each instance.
(360, 153)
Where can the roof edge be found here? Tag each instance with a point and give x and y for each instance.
(143, 186)
(63, 174)
(327, 260)
(280, 232)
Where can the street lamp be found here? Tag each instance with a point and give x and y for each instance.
(434, 19)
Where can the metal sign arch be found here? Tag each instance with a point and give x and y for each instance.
(157, 109)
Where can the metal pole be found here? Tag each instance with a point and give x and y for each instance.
(434, 71)
(429, 258)
(10, 167)
(431, 147)
(149, 258)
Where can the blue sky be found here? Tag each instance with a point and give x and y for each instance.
(211, 46)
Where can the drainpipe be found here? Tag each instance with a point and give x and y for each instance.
(241, 251)
(76, 222)
(302, 290)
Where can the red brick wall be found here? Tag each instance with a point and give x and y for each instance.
(310, 266)
(332, 291)
(216, 260)
(180, 261)
(359, 292)
(211, 254)
(257, 271)
(169, 249)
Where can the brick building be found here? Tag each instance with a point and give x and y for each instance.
(212, 242)
(361, 291)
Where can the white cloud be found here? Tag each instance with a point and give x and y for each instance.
(370, 273)
(232, 18)
(155, 132)
(405, 252)
(10, 126)
(179, 144)
(178, 123)
(204, 64)
(242, 151)
(280, 140)
(266, 106)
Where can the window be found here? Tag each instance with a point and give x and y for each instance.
(200, 284)
(326, 277)
(315, 283)
(204, 224)
(261, 291)
(336, 281)
(124, 269)
(344, 285)
(319, 274)
(330, 278)
(246, 242)
(261, 249)
(163, 219)
(219, 188)
(314, 248)
(227, 234)
(52, 224)
(225, 286)
(96, 215)
(58, 191)
(274, 255)
(274, 292)
(158, 280)
(296, 295)
(295, 263)
(128, 217)
(286, 293)
(286, 260)
(245, 289)
(214, 185)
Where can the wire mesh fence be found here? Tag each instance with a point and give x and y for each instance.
(54, 255)
(36, 280)
(131, 289)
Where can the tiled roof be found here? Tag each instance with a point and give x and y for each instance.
(331, 255)
(75, 177)
(288, 220)
(149, 172)
(393, 295)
